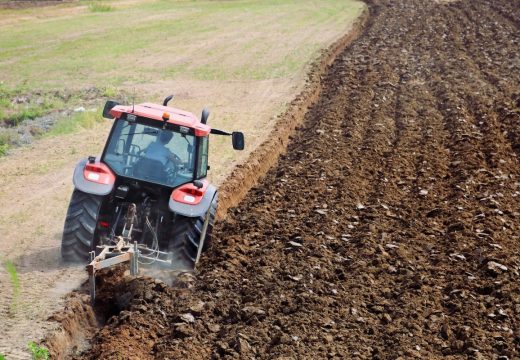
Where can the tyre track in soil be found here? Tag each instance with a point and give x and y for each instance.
(390, 228)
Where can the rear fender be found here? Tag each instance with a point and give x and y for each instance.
(93, 178)
(188, 200)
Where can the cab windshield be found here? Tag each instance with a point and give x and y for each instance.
(151, 154)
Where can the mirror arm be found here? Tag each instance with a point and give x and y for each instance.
(220, 132)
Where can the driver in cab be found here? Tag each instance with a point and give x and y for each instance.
(157, 149)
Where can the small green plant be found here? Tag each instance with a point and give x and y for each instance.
(15, 283)
(38, 352)
(2, 357)
(110, 92)
(80, 120)
(98, 6)
(18, 104)
(3, 151)
(7, 137)
(28, 113)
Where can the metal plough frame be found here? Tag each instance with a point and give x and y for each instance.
(110, 255)
(127, 251)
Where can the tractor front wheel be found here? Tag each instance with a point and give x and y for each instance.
(79, 231)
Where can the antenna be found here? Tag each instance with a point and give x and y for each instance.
(133, 101)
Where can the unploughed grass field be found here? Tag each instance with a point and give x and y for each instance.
(245, 59)
(73, 46)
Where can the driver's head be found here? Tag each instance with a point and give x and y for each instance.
(165, 136)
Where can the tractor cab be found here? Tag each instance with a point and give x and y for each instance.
(159, 144)
(148, 151)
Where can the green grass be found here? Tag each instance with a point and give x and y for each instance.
(91, 48)
(65, 125)
(20, 103)
(15, 283)
(7, 137)
(38, 352)
(80, 120)
(110, 92)
(97, 6)
(4, 148)
(2, 357)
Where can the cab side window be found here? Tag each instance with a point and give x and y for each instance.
(203, 158)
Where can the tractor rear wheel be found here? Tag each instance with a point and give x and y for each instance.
(185, 238)
(79, 230)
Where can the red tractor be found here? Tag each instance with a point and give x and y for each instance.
(148, 187)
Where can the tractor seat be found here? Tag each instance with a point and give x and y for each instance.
(150, 170)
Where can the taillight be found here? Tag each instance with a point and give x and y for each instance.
(103, 224)
(98, 173)
(189, 193)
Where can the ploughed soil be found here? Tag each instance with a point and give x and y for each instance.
(390, 228)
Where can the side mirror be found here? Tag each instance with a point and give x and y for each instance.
(238, 140)
(108, 106)
(205, 115)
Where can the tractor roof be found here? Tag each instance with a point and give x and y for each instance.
(155, 112)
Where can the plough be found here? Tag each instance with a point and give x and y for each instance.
(126, 250)
(123, 251)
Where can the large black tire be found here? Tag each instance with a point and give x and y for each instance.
(185, 238)
(80, 226)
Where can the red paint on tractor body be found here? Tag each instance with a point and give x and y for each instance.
(155, 112)
(189, 193)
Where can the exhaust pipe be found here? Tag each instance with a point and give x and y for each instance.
(204, 116)
(167, 100)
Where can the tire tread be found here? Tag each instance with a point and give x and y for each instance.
(80, 225)
(185, 238)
